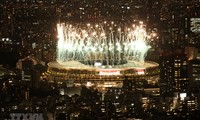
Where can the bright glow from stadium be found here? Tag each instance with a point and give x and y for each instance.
(106, 44)
(140, 71)
(109, 72)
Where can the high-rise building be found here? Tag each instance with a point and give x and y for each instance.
(173, 73)
(193, 98)
(194, 74)
(27, 67)
(31, 70)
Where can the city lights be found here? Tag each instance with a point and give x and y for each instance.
(100, 59)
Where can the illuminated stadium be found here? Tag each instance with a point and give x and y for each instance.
(89, 53)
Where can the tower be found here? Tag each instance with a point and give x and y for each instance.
(173, 73)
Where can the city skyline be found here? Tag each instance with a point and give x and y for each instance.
(98, 73)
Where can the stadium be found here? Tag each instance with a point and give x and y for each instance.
(93, 54)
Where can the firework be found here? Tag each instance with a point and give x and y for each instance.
(105, 44)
